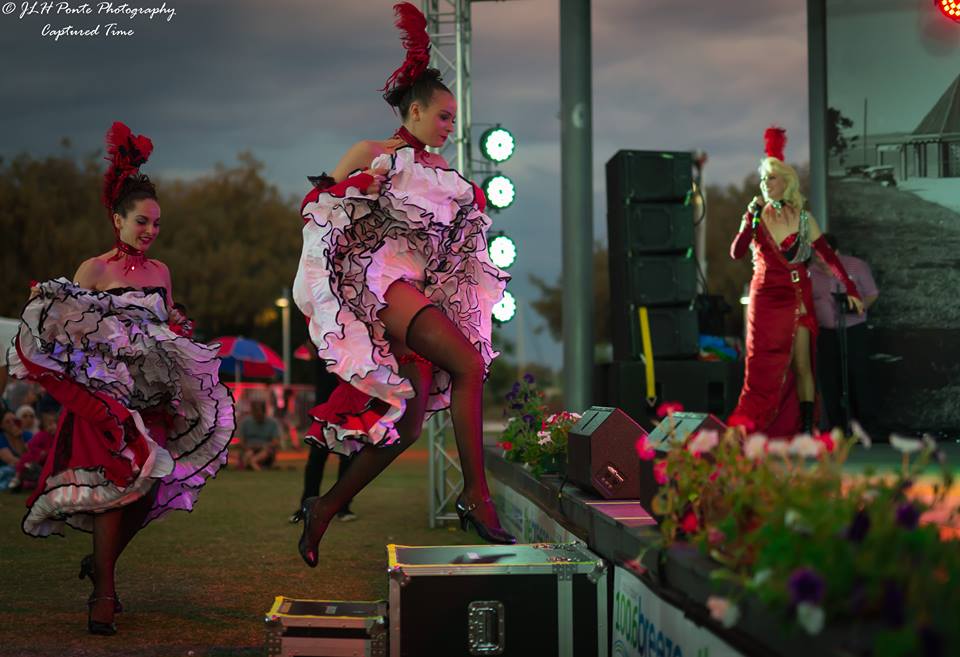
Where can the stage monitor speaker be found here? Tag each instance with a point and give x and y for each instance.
(680, 426)
(639, 176)
(638, 228)
(677, 428)
(673, 331)
(602, 456)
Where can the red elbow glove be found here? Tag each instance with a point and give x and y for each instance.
(479, 196)
(324, 185)
(830, 258)
(742, 241)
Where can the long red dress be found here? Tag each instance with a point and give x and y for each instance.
(781, 300)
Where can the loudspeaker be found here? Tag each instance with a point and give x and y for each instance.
(638, 176)
(680, 426)
(673, 331)
(640, 228)
(655, 280)
(602, 456)
(677, 428)
(710, 386)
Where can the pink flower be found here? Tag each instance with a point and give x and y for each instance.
(805, 446)
(715, 536)
(660, 472)
(703, 442)
(669, 408)
(715, 473)
(644, 450)
(828, 442)
(723, 611)
(689, 523)
(738, 420)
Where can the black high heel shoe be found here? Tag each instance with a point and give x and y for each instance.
(99, 627)
(86, 570)
(309, 552)
(489, 534)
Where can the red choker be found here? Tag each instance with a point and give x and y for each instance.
(408, 137)
(132, 258)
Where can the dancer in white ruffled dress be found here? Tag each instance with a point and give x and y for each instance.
(145, 419)
(398, 288)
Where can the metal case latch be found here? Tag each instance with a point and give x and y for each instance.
(486, 627)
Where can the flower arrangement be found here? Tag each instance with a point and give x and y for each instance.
(783, 522)
(532, 437)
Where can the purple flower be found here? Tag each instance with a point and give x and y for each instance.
(859, 527)
(516, 387)
(893, 608)
(528, 377)
(511, 396)
(516, 407)
(930, 641)
(529, 419)
(806, 585)
(908, 516)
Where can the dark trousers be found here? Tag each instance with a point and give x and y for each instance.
(829, 373)
(325, 383)
(313, 473)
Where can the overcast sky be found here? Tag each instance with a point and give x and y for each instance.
(294, 81)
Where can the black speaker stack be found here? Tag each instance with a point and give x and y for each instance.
(650, 225)
(652, 264)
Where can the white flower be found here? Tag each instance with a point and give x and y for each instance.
(810, 617)
(860, 434)
(704, 441)
(794, 520)
(551, 418)
(778, 447)
(755, 447)
(544, 437)
(905, 445)
(721, 609)
(804, 445)
(761, 576)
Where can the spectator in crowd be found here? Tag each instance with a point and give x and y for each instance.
(13, 443)
(259, 438)
(828, 342)
(31, 461)
(28, 418)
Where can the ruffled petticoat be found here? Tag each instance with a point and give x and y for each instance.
(424, 227)
(141, 404)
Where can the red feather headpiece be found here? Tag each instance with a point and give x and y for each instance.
(774, 139)
(126, 153)
(413, 26)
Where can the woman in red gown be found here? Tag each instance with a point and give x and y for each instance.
(779, 395)
(398, 287)
(146, 421)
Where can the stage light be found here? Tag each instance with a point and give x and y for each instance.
(503, 252)
(505, 309)
(497, 144)
(499, 191)
(949, 8)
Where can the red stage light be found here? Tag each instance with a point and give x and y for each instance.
(949, 8)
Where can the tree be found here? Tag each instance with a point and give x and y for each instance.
(837, 143)
(550, 304)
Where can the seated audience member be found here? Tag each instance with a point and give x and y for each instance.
(31, 461)
(13, 443)
(259, 438)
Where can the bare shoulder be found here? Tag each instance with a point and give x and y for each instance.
(90, 272)
(358, 156)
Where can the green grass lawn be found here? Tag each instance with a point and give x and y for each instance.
(199, 583)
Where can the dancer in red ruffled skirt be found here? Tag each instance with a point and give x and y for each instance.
(145, 419)
(778, 396)
(399, 290)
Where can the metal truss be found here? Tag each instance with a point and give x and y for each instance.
(445, 474)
